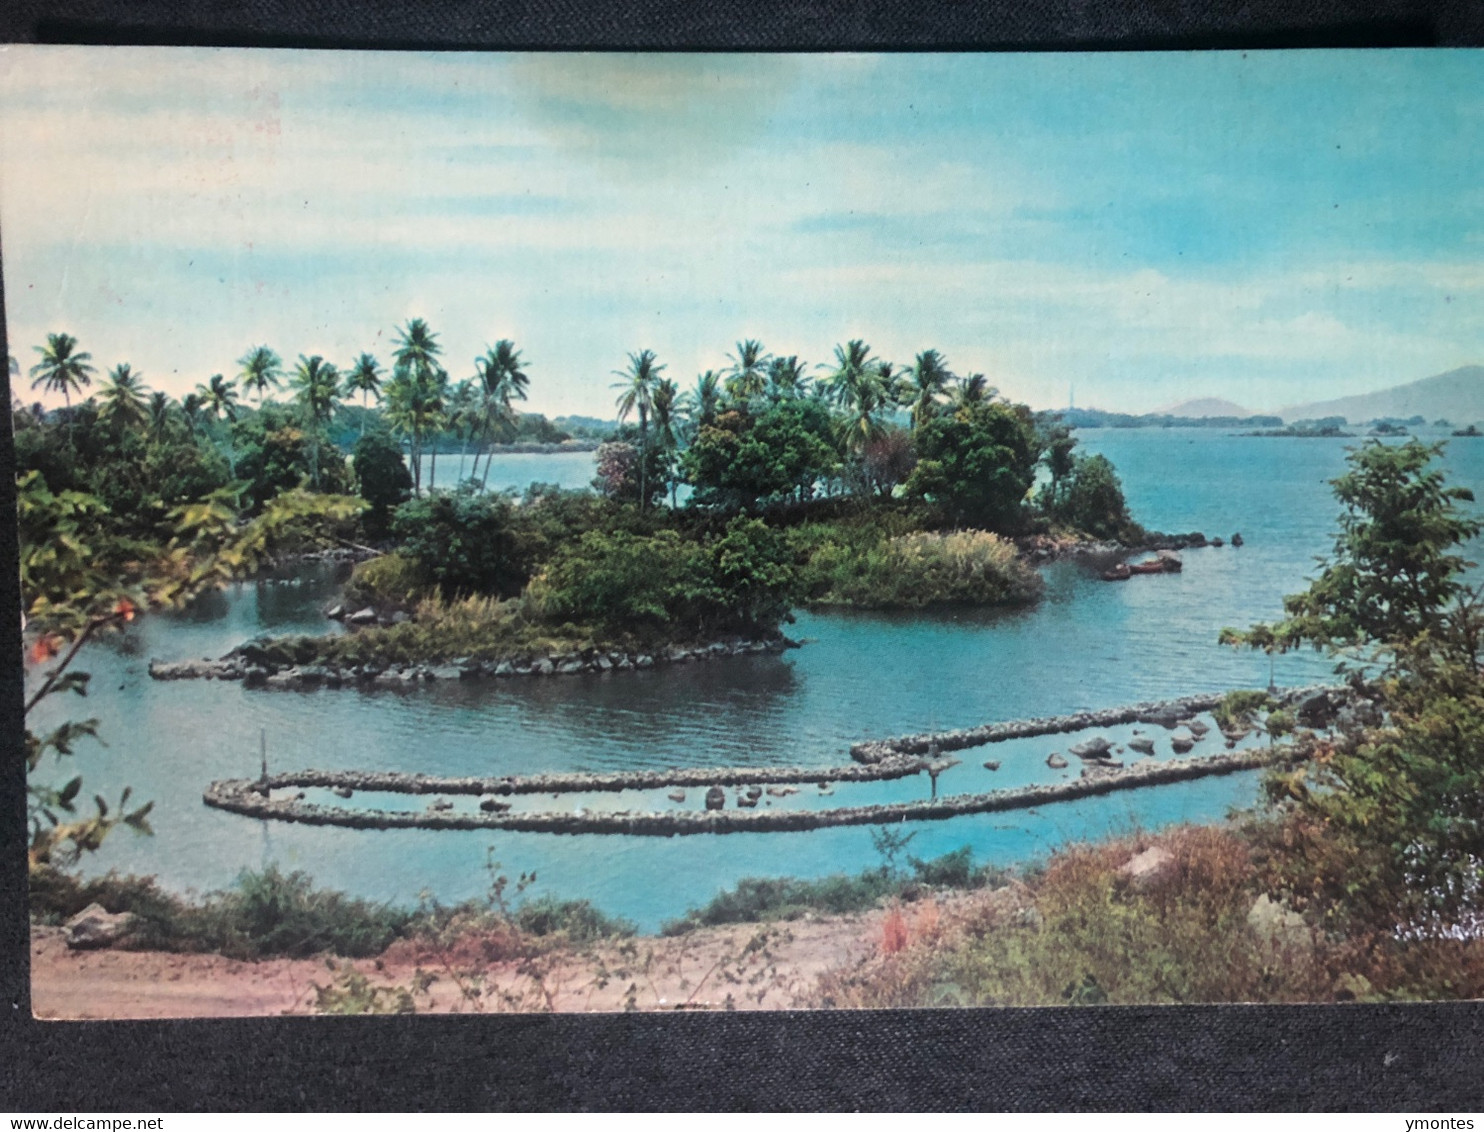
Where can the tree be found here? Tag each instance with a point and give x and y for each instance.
(1394, 580)
(364, 377)
(82, 575)
(858, 385)
(464, 542)
(261, 370)
(416, 393)
(1400, 802)
(667, 442)
(219, 398)
(978, 463)
(63, 368)
(748, 375)
(927, 384)
(316, 386)
(382, 479)
(636, 391)
(503, 379)
(1093, 502)
(742, 461)
(703, 402)
(123, 397)
(1059, 443)
(787, 378)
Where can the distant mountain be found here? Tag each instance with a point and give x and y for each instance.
(1204, 407)
(1457, 396)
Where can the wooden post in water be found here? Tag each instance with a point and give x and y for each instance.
(263, 752)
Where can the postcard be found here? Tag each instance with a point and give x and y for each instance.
(702, 532)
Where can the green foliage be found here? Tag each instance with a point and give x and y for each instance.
(382, 479)
(620, 475)
(275, 452)
(464, 542)
(1089, 498)
(764, 899)
(978, 463)
(575, 921)
(742, 461)
(1394, 579)
(667, 584)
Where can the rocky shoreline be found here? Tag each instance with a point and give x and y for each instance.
(1041, 549)
(245, 796)
(245, 664)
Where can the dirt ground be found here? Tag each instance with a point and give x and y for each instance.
(746, 967)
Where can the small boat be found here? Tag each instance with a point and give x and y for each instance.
(1153, 566)
(1118, 573)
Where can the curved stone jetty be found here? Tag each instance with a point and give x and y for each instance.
(1164, 712)
(245, 796)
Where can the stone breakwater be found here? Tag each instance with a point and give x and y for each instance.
(1166, 713)
(244, 796)
(395, 782)
(305, 677)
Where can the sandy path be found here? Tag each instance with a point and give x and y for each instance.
(745, 966)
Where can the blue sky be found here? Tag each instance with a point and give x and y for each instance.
(1273, 227)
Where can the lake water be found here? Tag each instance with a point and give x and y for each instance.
(1087, 644)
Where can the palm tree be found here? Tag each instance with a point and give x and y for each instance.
(191, 407)
(703, 401)
(423, 398)
(927, 382)
(972, 390)
(219, 398)
(261, 370)
(160, 414)
(364, 378)
(664, 403)
(63, 368)
(414, 408)
(317, 389)
(748, 375)
(464, 417)
(501, 371)
(787, 378)
(857, 385)
(637, 392)
(123, 398)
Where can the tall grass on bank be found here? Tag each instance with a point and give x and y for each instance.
(924, 568)
(273, 913)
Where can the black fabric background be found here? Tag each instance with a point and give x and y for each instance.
(1412, 1057)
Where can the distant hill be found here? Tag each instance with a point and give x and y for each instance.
(1205, 407)
(1457, 396)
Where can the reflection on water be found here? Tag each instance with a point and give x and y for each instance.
(1087, 644)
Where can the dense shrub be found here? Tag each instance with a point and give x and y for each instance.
(464, 542)
(382, 479)
(978, 464)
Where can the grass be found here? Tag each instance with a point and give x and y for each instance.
(1080, 933)
(915, 569)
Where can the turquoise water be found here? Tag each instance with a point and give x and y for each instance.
(1087, 644)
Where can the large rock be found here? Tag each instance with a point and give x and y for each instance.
(716, 798)
(95, 926)
(1055, 761)
(1142, 743)
(1095, 748)
(1149, 869)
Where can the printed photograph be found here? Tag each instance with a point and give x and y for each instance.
(704, 532)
